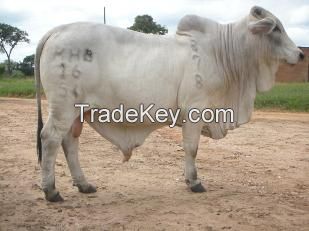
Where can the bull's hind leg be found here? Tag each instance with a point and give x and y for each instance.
(56, 127)
(70, 148)
(191, 136)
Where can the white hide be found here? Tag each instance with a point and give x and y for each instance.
(205, 65)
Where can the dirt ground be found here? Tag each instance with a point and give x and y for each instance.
(257, 178)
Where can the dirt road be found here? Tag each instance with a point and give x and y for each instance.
(257, 179)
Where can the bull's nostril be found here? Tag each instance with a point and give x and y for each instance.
(301, 56)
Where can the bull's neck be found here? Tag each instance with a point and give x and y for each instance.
(233, 53)
(238, 65)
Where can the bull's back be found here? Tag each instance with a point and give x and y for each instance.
(103, 65)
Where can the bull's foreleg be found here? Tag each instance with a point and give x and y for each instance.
(70, 149)
(191, 136)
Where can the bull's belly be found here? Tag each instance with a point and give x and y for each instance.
(125, 137)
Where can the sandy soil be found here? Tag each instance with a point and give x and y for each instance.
(257, 179)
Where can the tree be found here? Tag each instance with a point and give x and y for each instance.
(29, 60)
(145, 24)
(9, 37)
(27, 66)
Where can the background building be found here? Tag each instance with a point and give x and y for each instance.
(296, 73)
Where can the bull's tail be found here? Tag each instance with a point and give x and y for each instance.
(38, 53)
(38, 100)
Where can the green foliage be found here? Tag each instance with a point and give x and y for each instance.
(2, 68)
(17, 87)
(9, 37)
(26, 69)
(145, 24)
(27, 65)
(17, 74)
(29, 59)
(285, 96)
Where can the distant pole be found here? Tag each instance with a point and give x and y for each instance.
(104, 16)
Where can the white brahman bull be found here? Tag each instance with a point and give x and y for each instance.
(205, 65)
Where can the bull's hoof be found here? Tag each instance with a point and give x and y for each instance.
(198, 188)
(87, 188)
(53, 197)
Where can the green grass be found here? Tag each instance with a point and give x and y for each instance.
(17, 87)
(285, 96)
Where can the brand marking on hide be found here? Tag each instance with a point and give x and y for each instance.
(71, 55)
(88, 56)
(196, 59)
(75, 93)
(74, 54)
(62, 67)
(76, 72)
(59, 52)
(198, 80)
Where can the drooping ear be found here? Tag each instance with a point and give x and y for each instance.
(189, 24)
(258, 12)
(263, 26)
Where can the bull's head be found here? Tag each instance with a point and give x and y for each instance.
(270, 30)
(252, 46)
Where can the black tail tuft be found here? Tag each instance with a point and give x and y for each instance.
(38, 137)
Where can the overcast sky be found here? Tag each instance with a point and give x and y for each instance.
(38, 16)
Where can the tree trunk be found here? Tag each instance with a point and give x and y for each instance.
(9, 66)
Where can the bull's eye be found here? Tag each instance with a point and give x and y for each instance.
(277, 29)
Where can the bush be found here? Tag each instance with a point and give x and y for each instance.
(26, 69)
(2, 68)
(17, 74)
